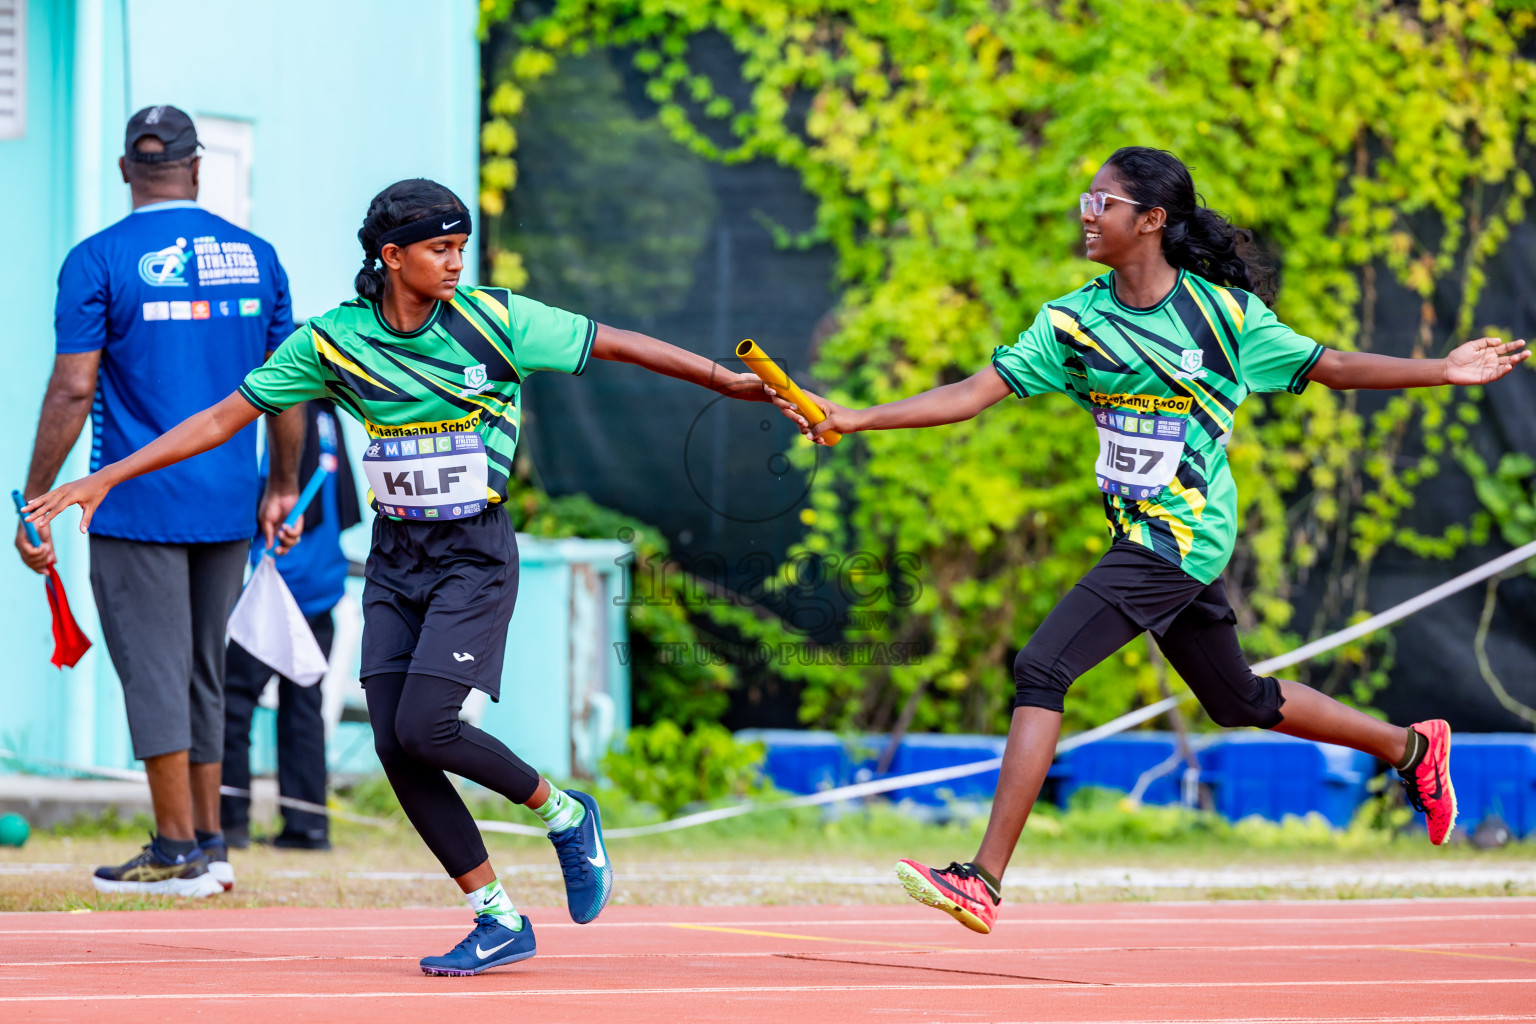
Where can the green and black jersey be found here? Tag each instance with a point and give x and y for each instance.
(1162, 385)
(441, 404)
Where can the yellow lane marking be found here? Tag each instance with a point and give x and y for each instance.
(813, 938)
(1446, 952)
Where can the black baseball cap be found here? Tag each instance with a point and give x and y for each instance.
(170, 125)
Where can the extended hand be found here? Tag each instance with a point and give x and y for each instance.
(746, 386)
(275, 507)
(86, 492)
(39, 558)
(838, 418)
(1483, 360)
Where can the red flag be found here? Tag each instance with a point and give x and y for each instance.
(69, 643)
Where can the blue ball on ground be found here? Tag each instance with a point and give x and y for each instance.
(13, 830)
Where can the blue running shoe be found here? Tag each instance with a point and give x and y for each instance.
(490, 944)
(584, 862)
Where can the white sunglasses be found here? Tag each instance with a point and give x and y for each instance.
(1095, 202)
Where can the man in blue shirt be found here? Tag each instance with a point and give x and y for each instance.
(159, 316)
(316, 575)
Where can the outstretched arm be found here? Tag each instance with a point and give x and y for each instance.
(192, 436)
(1479, 361)
(948, 404)
(643, 350)
(66, 404)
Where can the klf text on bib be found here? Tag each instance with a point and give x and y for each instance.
(430, 476)
(1139, 453)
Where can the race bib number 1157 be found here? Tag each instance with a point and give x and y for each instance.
(1138, 454)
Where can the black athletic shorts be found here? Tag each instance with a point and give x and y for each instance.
(439, 597)
(1132, 590)
(1152, 592)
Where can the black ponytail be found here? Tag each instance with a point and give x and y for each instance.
(401, 203)
(1195, 237)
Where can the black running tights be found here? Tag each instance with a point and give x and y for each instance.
(419, 737)
(1084, 629)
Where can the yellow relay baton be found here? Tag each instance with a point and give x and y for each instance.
(758, 362)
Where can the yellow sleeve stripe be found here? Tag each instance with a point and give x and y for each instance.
(336, 356)
(1231, 356)
(484, 298)
(475, 323)
(1064, 322)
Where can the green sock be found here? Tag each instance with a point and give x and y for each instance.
(1417, 747)
(492, 899)
(560, 812)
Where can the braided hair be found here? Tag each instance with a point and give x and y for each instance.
(1195, 237)
(401, 203)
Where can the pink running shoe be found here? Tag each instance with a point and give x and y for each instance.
(1428, 786)
(957, 890)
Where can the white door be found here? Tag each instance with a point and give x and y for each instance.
(224, 182)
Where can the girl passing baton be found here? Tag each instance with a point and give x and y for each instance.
(434, 371)
(1160, 351)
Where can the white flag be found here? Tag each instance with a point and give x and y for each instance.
(267, 623)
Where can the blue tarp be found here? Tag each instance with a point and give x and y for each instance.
(1248, 772)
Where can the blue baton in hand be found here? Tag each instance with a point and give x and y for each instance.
(306, 496)
(32, 535)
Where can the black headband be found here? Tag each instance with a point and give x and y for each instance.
(455, 223)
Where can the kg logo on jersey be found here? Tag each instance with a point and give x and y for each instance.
(1192, 360)
(475, 381)
(168, 266)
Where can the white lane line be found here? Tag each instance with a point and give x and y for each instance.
(817, 954)
(570, 993)
(184, 961)
(917, 921)
(1257, 948)
(38, 869)
(1449, 1018)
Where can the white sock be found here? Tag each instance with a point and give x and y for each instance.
(492, 899)
(560, 811)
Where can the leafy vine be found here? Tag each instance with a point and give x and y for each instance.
(1376, 147)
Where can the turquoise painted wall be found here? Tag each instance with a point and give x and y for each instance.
(343, 96)
(39, 206)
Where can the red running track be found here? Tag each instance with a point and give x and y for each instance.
(1354, 961)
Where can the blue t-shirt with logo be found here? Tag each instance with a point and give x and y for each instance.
(182, 305)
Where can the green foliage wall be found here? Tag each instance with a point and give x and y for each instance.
(946, 143)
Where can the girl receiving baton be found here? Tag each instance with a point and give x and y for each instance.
(434, 372)
(1161, 351)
